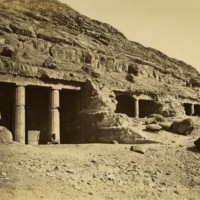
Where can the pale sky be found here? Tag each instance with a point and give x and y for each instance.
(171, 26)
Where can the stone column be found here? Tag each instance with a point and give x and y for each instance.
(54, 113)
(136, 108)
(20, 114)
(192, 110)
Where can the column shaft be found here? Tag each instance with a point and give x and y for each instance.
(54, 114)
(136, 108)
(192, 109)
(20, 115)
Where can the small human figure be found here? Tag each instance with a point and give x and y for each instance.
(53, 139)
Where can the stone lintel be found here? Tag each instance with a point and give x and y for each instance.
(9, 78)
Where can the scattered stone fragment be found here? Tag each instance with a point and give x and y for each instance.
(139, 149)
(183, 127)
(90, 193)
(121, 183)
(153, 127)
(111, 177)
(61, 179)
(3, 174)
(56, 168)
(20, 163)
(70, 171)
(77, 187)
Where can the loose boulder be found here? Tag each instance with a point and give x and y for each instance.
(159, 118)
(153, 127)
(197, 143)
(150, 121)
(139, 149)
(183, 127)
(5, 135)
(166, 126)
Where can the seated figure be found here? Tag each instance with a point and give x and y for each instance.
(53, 139)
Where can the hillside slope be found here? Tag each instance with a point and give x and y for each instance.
(48, 38)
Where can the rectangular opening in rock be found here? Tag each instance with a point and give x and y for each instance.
(7, 105)
(188, 108)
(125, 105)
(70, 120)
(197, 110)
(37, 112)
(147, 107)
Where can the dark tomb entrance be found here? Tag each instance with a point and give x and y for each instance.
(197, 110)
(7, 106)
(37, 114)
(125, 105)
(147, 107)
(188, 108)
(70, 121)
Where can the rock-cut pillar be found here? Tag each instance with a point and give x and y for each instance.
(20, 114)
(192, 110)
(136, 108)
(54, 113)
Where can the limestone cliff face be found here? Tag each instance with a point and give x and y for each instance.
(47, 39)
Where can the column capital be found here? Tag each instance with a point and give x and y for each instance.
(136, 98)
(21, 84)
(56, 87)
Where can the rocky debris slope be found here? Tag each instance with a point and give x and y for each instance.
(181, 125)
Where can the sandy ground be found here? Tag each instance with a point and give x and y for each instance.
(167, 170)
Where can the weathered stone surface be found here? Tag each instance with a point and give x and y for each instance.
(166, 125)
(5, 135)
(150, 121)
(197, 143)
(159, 118)
(153, 127)
(123, 135)
(183, 127)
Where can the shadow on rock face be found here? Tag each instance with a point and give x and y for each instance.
(194, 149)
